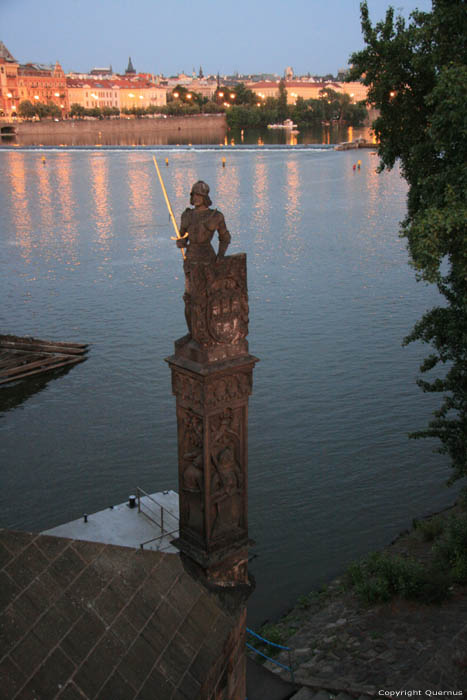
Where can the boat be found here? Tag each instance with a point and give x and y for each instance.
(286, 124)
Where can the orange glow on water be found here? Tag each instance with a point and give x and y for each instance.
(101, 209)
(21, 197)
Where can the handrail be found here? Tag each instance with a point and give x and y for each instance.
(159, 537)
(163, 509)
(147, 495)
(273, 644)
(146, 511)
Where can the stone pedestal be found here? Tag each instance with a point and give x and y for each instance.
(212, 380)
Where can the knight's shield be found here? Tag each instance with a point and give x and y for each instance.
(227, 315)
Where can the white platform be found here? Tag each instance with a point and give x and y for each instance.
(125, 526)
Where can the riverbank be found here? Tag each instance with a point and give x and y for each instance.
(202, 129)
(341, 644)
(127, 131)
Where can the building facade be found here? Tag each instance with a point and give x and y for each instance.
(307, 90)
(39, 83)
(9, 96)
(118, 92)
(92, 93)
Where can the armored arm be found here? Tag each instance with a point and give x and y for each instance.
(184, 224)
(224, 236)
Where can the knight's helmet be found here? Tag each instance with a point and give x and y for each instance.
(201, 188)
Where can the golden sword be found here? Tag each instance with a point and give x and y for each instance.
(171, 214)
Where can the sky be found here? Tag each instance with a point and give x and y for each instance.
(171, 36)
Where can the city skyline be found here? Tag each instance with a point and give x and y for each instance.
(258, 38)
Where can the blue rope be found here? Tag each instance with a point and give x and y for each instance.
(267, 657)
(279, 646)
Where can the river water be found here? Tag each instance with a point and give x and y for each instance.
(86, 255)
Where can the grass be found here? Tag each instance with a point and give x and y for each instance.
(450, 550)
(380, 577)
(430, 528)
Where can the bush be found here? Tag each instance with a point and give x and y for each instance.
(451, 548)
(380, 577)
(430, 528)
(304, 601)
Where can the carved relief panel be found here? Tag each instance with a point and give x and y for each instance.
(212, 473)
(192, 477)
(227, 488)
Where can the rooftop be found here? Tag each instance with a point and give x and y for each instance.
(5, 54)
(91, 620)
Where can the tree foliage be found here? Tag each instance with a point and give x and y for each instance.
(282, 107)
(417, 77)
(246, 112)
(28, 110)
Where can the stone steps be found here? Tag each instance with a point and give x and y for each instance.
(309, 694)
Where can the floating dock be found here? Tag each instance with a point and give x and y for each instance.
(25, 357)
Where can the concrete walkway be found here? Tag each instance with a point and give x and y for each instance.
(129, 527)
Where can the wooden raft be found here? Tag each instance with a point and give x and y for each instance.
(24, 357)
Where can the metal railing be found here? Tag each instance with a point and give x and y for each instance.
(163, 513)
(277, 646)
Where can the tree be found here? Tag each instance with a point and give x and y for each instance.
(53, 110)
(338, 106)
(417, 77)
(282, 108)
(77, 110)
(42, 110)
(179, 93)
(26, 109)
(108, 112)
(243, 95)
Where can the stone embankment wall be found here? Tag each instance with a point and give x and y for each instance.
(145, 128)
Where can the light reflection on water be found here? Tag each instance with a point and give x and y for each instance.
(87, 256)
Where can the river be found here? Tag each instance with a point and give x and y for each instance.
(86, 255)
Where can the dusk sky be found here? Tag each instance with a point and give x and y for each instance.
(247, 36)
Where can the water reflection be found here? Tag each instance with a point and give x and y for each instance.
(260, 203)
(68, 228)
(181, 180)
(20, 199)
(139, 185)
(44, 200)
(101, 207)
(228, 185)
(293, 239)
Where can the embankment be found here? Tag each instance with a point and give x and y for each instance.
(126, 131)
